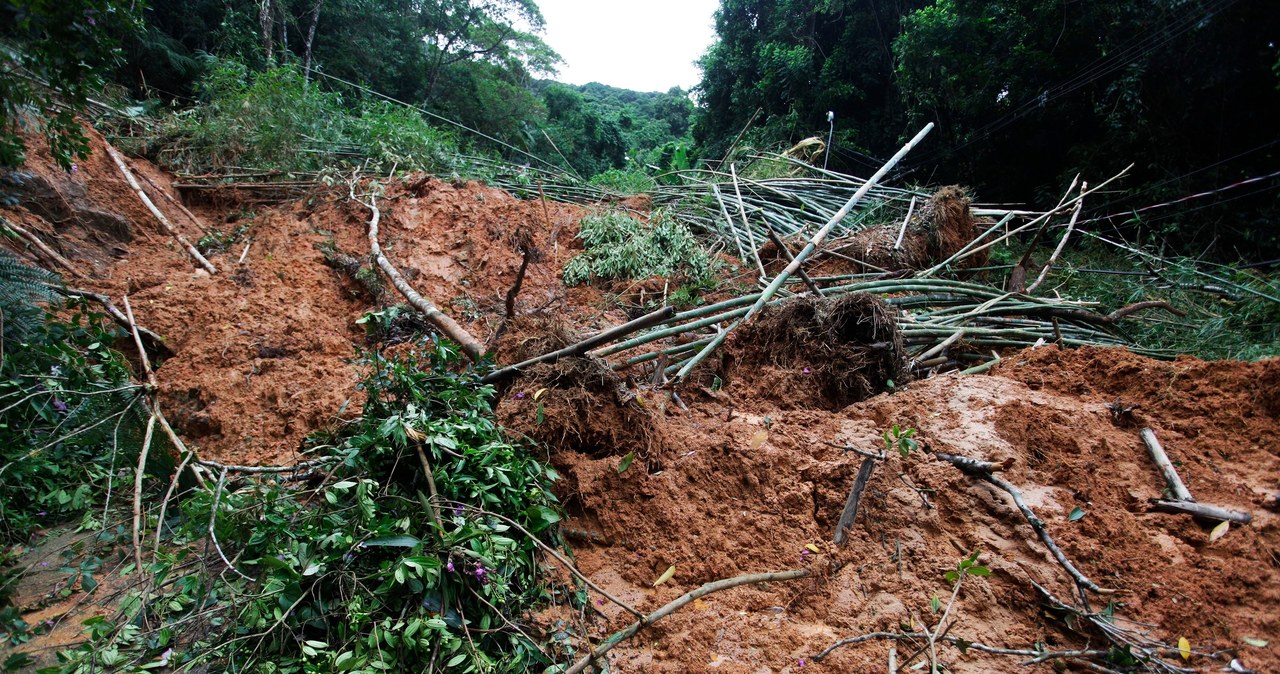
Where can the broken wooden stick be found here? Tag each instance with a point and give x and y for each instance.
(443, 322)
(605, 337)
(1201, 510)
(1183, 502)
(983, 470)
(146, 201)
(676, 605)
(850, 512)
(150, 339)
(1176, 488)
(786, 253)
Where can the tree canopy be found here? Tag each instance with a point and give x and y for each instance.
(1025, 95)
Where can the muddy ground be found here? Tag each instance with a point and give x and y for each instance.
(751, 474)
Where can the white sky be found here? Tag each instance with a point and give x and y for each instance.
(645, 45)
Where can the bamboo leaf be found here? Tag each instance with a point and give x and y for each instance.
(1219, 531)
(666, 576)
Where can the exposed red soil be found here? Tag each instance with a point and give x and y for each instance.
(743, 480)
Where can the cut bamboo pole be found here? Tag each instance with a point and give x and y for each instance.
(133, 183)
(585, 345)
(1177, 489)
(1075, 215)
(45, 249)
(897, 245)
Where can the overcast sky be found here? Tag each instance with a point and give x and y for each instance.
(647, 45)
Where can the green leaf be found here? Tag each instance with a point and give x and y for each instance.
(392, 542)
(456, 660)
(935, 604)
(539, 416)
(979, 570)
(1076, 515)
(626, 462)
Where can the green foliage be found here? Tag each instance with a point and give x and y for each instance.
(276, 120)
(618, 246)
(625, 183)
(903, 439)
(68, 412)
(967, 566)
(1024, 96)
(22, 289)
(1231, 313)
(354, 574)
(56, 63)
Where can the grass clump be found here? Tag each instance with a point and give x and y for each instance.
(617, 246)
(625, 183)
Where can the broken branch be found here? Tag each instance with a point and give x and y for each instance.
(983, 471)
(676, 605)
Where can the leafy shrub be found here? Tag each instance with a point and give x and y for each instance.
(354, 574)
(618, 246)
(68, 407)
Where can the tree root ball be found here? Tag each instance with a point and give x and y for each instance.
(820, 351)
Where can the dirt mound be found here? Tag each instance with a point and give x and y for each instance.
(818, 352)
(938, 229)
(751, 484)
(750, 475)
(262, 348)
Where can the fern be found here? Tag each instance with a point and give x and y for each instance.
(22, 289)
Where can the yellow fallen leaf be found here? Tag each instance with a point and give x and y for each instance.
(1184, 646)
(666, 576)
(1219, 531)
(758, 439)
(699, 604)
(812, 548)
(538, 393)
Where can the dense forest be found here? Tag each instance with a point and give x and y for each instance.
(1025, 95)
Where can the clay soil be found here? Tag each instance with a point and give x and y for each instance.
(750, 474)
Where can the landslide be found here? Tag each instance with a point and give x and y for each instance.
(748, 476)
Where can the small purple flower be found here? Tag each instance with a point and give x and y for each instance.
(599, 602)
(347, 558)
(59, 406)
(806, 371)
(802, 662)
(520, 396)
(92, 22)
(42, 513)
(804, 554)
(75, 168)
(448, 566)
(480, 572)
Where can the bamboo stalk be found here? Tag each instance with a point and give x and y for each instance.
(804, 253)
